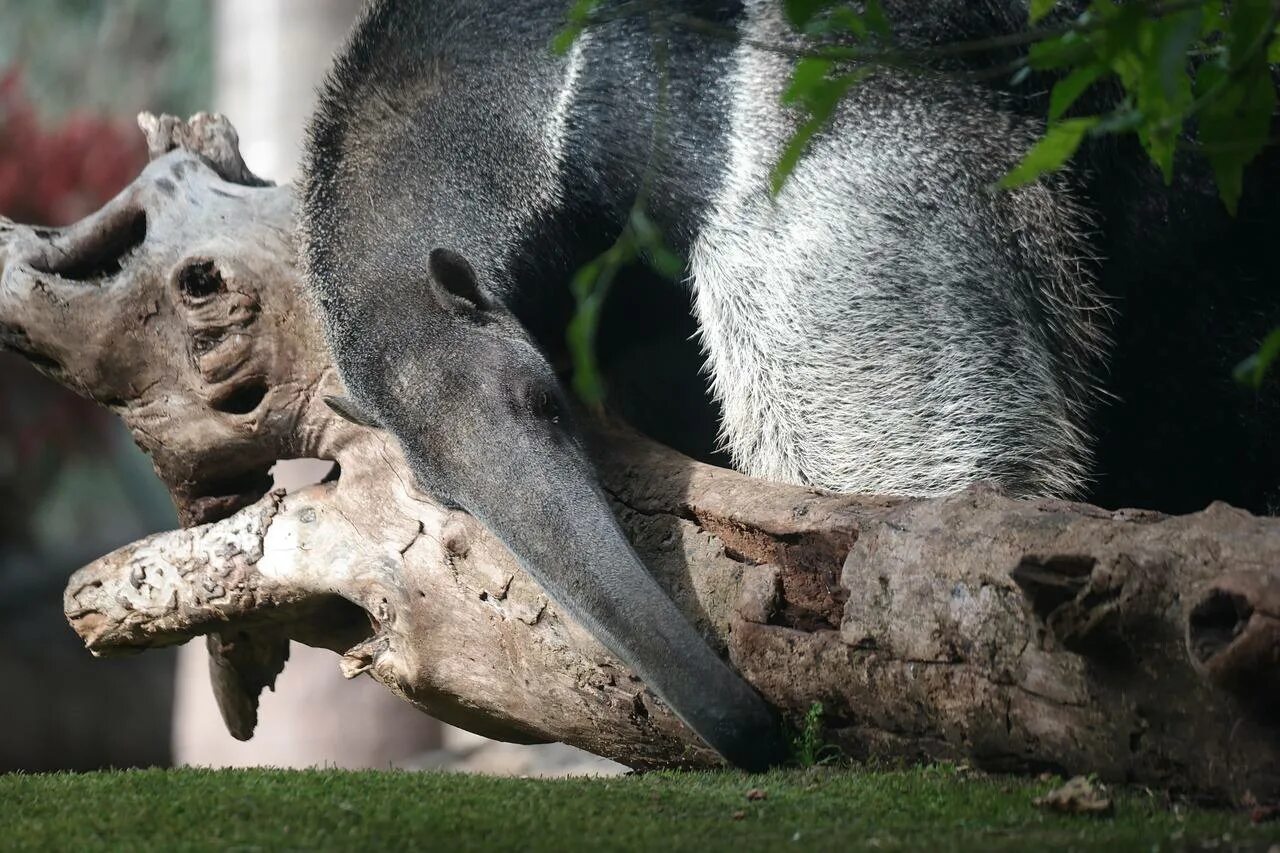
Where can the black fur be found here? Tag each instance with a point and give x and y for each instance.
(1194, 292)
(419, 143)
(431, 133)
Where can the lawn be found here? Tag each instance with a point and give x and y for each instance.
(934, 809)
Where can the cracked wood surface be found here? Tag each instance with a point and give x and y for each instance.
(1016, 635)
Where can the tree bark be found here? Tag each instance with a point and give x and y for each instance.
(1012, 635)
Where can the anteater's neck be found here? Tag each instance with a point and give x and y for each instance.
(545, 157)
(456, 126)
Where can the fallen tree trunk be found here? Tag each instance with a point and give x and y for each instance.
(1013, 635)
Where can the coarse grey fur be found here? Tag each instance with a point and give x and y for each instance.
(886, 324)
(889, 324)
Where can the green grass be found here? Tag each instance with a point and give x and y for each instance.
(933, 809)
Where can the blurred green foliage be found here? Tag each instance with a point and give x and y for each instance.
(640, 241)
(1174, 62)
(113, 57)
(1192, 75)
(72, 484)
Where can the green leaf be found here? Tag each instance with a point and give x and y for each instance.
(1273, 49)
(642, 230)
(827, 17)
(584, 280)
(1052, 53)
(1174, 37)
(1253, 369)
(1160, 145)
(590, 286)
(796, 146)
(841, 20)
(1063, 51)
(1235, 122)
(563, 42)
(1123, 119)
(665, 262)
(820, 97)
(641, 239)
(807, 77)
(1250, 21)
(1237, 96)
(579, 16)
(800, 12)
(1069, 89)
(588, 383)
(877, 21)
(1040, 8)
(1151, 62)
(648, 243)
(582, 10)
(1051, 152)
(581, 333)
(1212, 20)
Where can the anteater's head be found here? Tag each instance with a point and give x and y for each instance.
(454, 375)
(485, 426)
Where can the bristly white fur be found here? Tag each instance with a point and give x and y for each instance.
(887, 324)
(554, 135)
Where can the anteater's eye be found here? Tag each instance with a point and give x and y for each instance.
(543, 404)
(536, 400)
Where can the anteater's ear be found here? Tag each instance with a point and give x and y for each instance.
(454, 275)
(348, 409)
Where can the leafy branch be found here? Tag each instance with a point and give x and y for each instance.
(1203, 66)
(1189, 75)
(640, 239)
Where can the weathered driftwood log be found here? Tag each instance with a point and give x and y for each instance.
(1017, 635)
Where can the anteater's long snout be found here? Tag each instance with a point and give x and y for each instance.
(547, 508)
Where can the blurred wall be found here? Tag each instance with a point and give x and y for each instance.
(110, 57)
(63, 709)
(73, 75)
(270, 55)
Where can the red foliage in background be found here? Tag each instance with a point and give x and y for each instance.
(55, 175)
(50, 175)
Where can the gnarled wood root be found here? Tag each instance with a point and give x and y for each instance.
(1015, 635)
